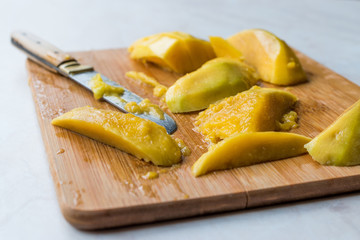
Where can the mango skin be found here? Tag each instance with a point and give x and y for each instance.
(139, 137)
(273, 59)
(249, 148)
(339, 144)
(175, 51)
(215, 80)
(255, 110)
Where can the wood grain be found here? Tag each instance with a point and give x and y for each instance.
(99, 186)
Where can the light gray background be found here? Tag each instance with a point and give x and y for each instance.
(327, 31)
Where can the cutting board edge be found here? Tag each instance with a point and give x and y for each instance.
(126, 216)
(302, 191)
(134, 215)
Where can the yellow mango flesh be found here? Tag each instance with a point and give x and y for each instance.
(143, 78)
(339, 144)
(273, 59)
(249, 148)
(100, 88)
(215, 80)
(175, 51)
(223, 48)
(255, 110)
(139, 137)
(145, 106)
(159, 89)
(288, 121)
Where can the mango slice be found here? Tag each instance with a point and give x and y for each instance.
(215, 80)
(176, 51)
(139, 137)
(223, 48)
(256, 110)
(339, 144)
(250, 148)
(273, 59)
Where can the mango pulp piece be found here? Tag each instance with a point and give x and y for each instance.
(215, 80)
(159, 89)
(256, 110)
(249, 148)
(339, 144)
(100, 88)
(145, 106)
(142, 138)
(223, 48)
(185, 150)
(142, 77)
(176, 51)
(288, 121)
(151, 175)
(273, 59)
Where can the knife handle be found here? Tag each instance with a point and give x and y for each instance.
(40, 51)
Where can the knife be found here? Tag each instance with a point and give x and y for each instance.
(55, 60)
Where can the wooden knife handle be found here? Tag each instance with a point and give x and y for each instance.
(39, 50)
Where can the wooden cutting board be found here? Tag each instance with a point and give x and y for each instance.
(99, 186)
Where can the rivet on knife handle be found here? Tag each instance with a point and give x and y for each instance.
(58, 61)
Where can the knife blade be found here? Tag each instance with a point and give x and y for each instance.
(55, 60)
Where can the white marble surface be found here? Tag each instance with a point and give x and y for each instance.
(326, 31)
